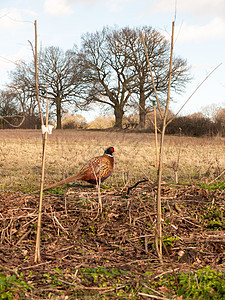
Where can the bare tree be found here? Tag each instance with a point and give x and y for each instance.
(117, 65)
(22, 87)
(210, 111)
(7, 103)
(110, 67)
(11, 114)
(58, 79)
(107, 73)
(158, 50)
(220, 122)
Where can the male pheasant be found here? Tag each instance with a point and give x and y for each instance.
(98, 166)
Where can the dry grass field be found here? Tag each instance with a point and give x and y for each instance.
(200, 159)
(111, 255)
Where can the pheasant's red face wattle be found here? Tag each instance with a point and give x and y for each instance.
(112, 149)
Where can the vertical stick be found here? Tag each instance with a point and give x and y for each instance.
(158, 238)
(99, 192)
(37, 248)
(156, 138)
(36, 73)
(153, 82)
(158, 233)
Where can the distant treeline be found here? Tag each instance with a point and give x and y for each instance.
(193, 125)
(198, 126)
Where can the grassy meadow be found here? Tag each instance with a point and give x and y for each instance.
(86, 254)
(200, 159)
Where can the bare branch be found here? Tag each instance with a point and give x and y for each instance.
(170, 73)
(193, 93)
(153, 83)
(15, 126)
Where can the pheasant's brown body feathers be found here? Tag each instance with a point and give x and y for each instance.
(98, 166)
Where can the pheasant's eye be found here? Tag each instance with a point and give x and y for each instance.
(112, 149)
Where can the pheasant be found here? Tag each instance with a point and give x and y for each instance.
(100, 165)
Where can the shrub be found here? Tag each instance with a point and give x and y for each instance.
(102, 122)
(74, 122)
(192, 126)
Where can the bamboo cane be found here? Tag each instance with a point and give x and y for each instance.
(159, 156)
(156, 138)
(37, 256)
(37, 248)
(161, 152)
(36, 74)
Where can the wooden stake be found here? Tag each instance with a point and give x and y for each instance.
(158, 229)
(159, 156)
(156, 138)
(153, 82)
(37, 257)
(158, 238)
(36, 73)
(99, 193)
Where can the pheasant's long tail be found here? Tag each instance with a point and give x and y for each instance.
(64, 181)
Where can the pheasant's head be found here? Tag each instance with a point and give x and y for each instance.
(109, 151)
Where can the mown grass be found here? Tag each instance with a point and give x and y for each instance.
(201, 159)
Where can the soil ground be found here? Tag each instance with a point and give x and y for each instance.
(86, 254)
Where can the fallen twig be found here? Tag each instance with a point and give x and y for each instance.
(152, 296)
(136, 184)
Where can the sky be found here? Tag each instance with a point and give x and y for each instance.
(199, 35)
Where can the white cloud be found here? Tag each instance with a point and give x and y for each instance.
(200, 8)
(64, 7)
(30, 13)
(58, 7)
(117, 5)
(213, 30)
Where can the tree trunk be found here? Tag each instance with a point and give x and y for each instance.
(142, 115)
(142, 110)
(118, 111)
(58, 113)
